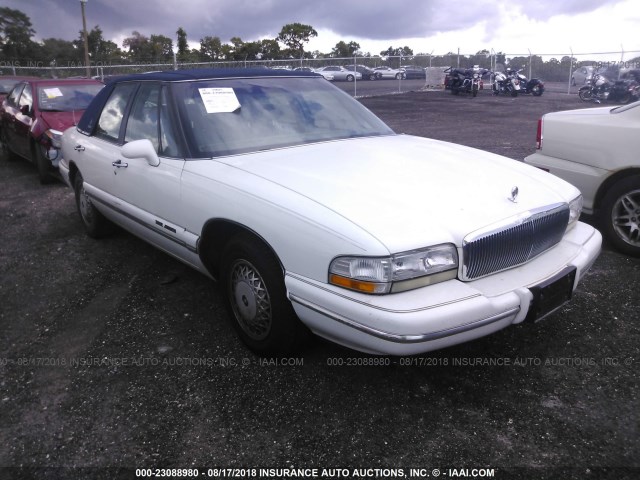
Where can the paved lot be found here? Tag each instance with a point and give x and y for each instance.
(113, 355)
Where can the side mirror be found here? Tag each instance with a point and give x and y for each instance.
(25, 109)
(141, 149)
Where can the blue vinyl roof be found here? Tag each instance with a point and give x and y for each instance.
(208, 73)
(88, 121)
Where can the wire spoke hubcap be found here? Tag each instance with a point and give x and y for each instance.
(250, 300)
(625, 217)
(85, 206)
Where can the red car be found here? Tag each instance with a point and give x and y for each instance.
(36, 113)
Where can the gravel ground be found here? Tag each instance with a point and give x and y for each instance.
(115, 357)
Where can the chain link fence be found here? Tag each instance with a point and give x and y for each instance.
(557, 68)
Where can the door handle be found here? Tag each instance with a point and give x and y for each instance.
(79, 148)
(119, 164)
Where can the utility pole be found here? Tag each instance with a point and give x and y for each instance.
(86, 39)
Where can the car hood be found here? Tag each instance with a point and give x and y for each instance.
(61, 120)
(408, 192)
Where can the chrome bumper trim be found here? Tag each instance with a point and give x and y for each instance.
(397, 338)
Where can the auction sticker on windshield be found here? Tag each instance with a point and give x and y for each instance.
(219, 100)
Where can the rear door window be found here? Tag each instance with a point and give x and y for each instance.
(110, 121)
(143, 119)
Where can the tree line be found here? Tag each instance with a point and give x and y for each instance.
(17, 32)
(17, 45)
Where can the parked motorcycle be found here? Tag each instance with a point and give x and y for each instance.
(601, 89)
(506, 82)
(534, 86)
(466, 80)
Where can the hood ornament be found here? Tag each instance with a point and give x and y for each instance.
(514, 195)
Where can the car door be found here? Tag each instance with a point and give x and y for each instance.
(96, 155)
(23, 123)
(149, 192)
(9, 114)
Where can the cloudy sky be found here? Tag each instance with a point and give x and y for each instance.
(438, 26)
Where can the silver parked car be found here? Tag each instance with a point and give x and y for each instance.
(340, 74)
(583, 75)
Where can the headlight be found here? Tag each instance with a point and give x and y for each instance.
(397, 273)
(575, 209)
(55, 137)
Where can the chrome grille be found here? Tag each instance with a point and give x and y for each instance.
(514, 241)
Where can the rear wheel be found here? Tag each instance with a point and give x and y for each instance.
(536, 91)
(585, 94)
(620, 215)
(474, 90)
(349, 78)
(256, 298)
(95, 224)
(399, 76)
(625, 98)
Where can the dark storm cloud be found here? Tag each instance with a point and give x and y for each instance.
(256, 19)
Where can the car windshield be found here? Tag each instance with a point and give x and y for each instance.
(239, 115)
(65, 98)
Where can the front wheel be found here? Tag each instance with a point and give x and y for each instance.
(372, 76)
(474, 91)
(95, 224)
(399, 76)
(620, 215)
(256, 298)
(585, 94)
(43, 164)
(5, 151)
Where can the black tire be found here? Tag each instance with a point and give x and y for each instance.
(474, 91)
(625, 98)
(573, 81)
(399, 76)
(514, 93)
(255, 296)
(6, 154)
(373, 76)
(95, 224)
(620, 215)
(350, 78)
(43, 164)
(585, 94)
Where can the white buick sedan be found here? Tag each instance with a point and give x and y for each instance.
(597, 150)
(314, 216)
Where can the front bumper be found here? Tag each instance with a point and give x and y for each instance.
(439, 315)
